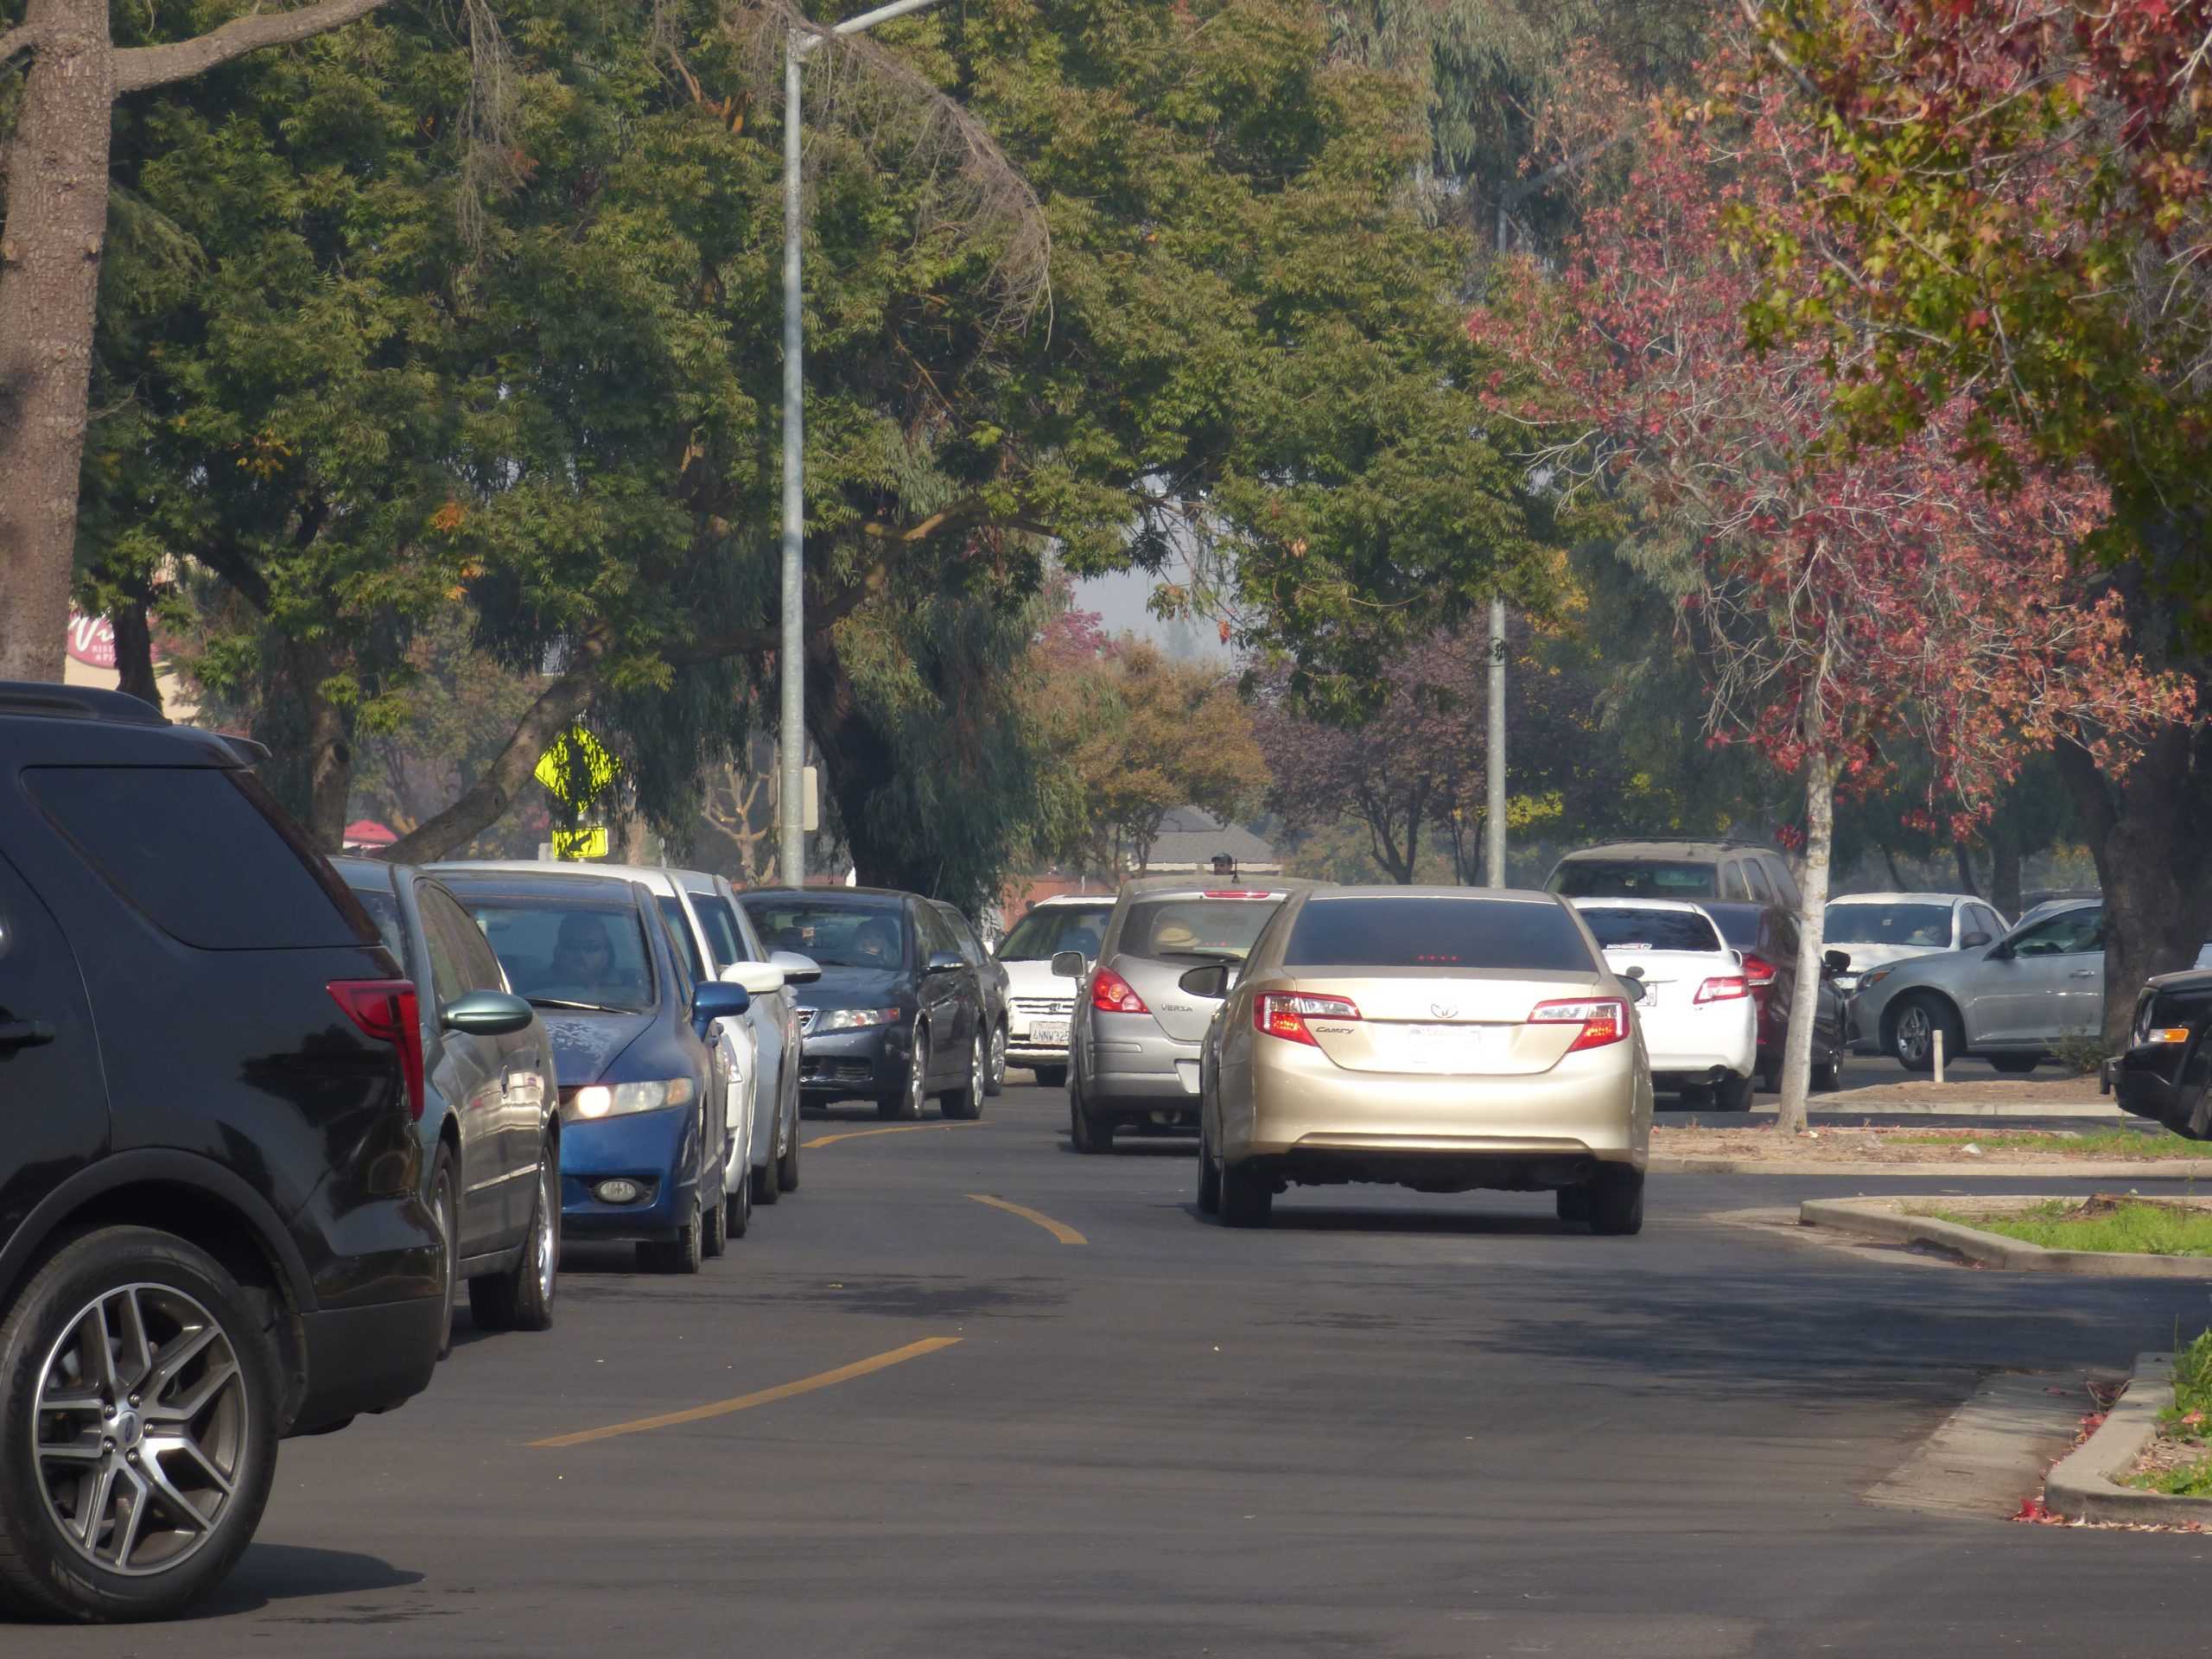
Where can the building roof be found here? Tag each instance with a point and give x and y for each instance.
(1190, 836)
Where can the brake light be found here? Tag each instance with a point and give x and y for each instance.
(1237, 895)
(1111, 994)
(1758, 971)
(386, 1009)
(1284, 1013)
(1603, 1022)
(1727, 989)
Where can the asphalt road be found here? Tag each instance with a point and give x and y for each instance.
(1392, 1425)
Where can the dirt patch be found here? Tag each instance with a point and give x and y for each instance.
(1763, 1143)
(2058, 1092)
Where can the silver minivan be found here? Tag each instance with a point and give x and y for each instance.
(1134, 1046)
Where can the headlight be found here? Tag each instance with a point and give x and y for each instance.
(596, 1100)
(1874, 977)
(854, 1018)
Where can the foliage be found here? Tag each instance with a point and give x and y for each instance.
(2126, 1227)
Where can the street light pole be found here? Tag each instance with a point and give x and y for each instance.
(791, 722)
(1494, 768)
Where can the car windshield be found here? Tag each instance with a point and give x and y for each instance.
(562, 954)
(1889, 923)
(1424, 932)
(1652, 930)
(1601, 878)
(1204, 930)
(835, 936)
(1046, 931)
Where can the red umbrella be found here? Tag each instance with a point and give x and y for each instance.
(367, 832)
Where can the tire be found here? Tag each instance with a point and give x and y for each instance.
(1617, 1201)
(966, 1104)
(914, 1100)
(760, 1185)
(521, 1299)
(2011, 1065)
(1209, 1176)
(179, 1294)
(1247, 1197)
(724, 1221)
(445, 1205)
(1770, 1077)
(1087, 1133)
(1732, 1094)
(680, 1254)
(1050, 1077)
(1573, 1202)
(787, 1165)
(997, 1084)
(1910, 1033)
(1828, 1076)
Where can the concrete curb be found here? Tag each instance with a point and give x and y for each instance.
(2083, 1486)
(1888, 1220)
(1830, 1110)
(2171, 1169)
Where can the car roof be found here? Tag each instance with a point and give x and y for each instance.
(1196, 884)
(1906, 898)
(1507, 895)
(1660, 850)
(859, 897)
(528, 883)
(652, 875)
(131, 725)
(356, 872)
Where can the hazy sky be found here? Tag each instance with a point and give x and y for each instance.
(1121, 602)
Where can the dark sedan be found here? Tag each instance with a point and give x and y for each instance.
(2168, 1064)
(1767, 936)
(898, 1013)
(644, 1129)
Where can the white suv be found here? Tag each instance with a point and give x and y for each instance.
(1041, 1007)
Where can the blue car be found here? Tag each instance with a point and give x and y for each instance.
(644, 1129)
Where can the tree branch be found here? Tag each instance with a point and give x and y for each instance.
(819, 621)
(23, 38)
(138, 67)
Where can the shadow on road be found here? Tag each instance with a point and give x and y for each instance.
(275, 1573)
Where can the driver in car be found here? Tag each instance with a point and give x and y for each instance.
(582, 965)
(876, 944)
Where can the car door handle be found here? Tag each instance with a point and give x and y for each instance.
(24, 1033)
(2087, 973)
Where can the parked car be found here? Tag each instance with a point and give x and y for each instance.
(1134, 1042)
(898, 1013)
(1699, 1020)
(1041, 1005)
(489, 1129)
(211, 1225)
(1878, 929)
(1730, 871)
(2166, 1070)
(992, 978)
(752, 1118)
(1767, 936)
(1436, 1038)
(737, 952)
(2007, 1002)
(646, 1135)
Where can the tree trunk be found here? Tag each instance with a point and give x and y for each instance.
(1965, 861)
(327, 750)
(2004, 862)
(1890, 858)
(1813, 885)
(49, 281)
(134, 651)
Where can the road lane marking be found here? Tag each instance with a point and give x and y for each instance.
(1059, 1229)
(763, 1397)
(896, 1128)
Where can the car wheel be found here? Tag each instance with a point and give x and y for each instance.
(997, 1083)
(680, 1253)
(787, 1165)
(914, 1099)
(139, 1392)
(1732, 1094)
(2014, 1064)
(1209, 1175)
(1247, 1197)
(445, 1205)
(1089, 1135)
(1571, 1203)
(1050, 1077)
(761, 1183)
(1617, 1200)
(726, 1220)
(1770, 1077)
(521, 1299)
(1912, 1034)
(1828, 1076)
(967, 1103)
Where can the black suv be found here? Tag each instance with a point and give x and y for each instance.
(212, 1231)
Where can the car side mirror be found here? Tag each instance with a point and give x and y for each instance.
(717, 1001)
(485, 1014)
(946, 961)
(759, 978)
(1069, 965)
(797, 970)
(1634, 985)
(1214, 981)
(1836, 961)
(1975, 940)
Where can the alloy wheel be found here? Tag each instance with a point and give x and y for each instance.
(1912, 1032)
(998, 1057)
(546, 1246)
(139, 1429)
(979, 1074)
(917, 1083)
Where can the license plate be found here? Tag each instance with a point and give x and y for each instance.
(1451, 1048)
(1054, 1032)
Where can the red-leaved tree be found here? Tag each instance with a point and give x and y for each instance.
(1837, 599)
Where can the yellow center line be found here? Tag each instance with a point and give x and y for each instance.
(1059, 1229)
(896, 1128)
(765, 1397)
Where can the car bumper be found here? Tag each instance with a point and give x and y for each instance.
(366, 1359)
(654, 1149)
(2143, 1085)
(834, 1064)
(1134, 1080)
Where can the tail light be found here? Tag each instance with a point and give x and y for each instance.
(1284, 1013)
(1727, 988)
(386, 1010)
(1603, 1021)
(1758, 972)
(1111, 994)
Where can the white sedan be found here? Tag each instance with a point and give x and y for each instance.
(1700, 1023)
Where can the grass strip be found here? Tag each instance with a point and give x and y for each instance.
(2126, 1228)
(2184, 1424)
(2118, 1144)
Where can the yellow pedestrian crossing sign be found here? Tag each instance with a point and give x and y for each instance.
(580, 843)
(576, 756)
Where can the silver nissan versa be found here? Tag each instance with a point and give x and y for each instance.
(1134, 1047)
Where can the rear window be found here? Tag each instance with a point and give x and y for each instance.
(204, 853)
(1652, 930)
(1601, 878)
(1739, 924)
(1202, 930)
(835, 936)
(1428, 932)
(562, 954)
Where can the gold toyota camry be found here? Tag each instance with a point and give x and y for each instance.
(1442, 1038)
